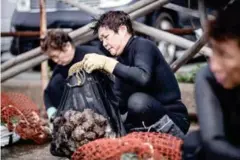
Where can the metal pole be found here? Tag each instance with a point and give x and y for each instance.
(37, 51)
(21, 58)
(43, 31)
(203, 13)
(96, 12)
(148, 9)
(153, 32)
(137, 6)
(83, 7)
(44, 64)
(180, 31)
(74, 34)
(22, 67)
(85, 38)
(20, 34)
(185, 10)
(17, 69)
(25, 33)
(161, 35)
(189, 54)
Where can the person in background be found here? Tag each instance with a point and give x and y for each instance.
(60, 48)
(145, 86)
(218, 93)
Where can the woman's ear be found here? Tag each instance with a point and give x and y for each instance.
(122, 29)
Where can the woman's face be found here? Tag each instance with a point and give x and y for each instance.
(225, 62)
(112, 41)
(62, 57)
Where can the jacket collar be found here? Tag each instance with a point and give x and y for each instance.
(127, 47)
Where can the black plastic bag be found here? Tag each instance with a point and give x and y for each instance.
(89, 91)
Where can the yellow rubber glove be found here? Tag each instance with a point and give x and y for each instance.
(93, 61)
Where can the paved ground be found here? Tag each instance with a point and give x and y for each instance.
(29, 84)
(25, 150)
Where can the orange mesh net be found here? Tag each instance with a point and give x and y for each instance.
(142, 145)
(21, 114)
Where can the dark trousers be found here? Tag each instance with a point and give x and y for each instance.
(192, 147)
(144, 109)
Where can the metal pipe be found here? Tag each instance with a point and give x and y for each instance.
(25, 33)
(189, 54)
(148, 9)
(74, 34)
(180, 31)
(96, 12)
(84, 7)
(37, 51)
(155, 33)
(185, 10)
(22, 67)
(21, 34)
(138, 5)
(85, 38)
(203, 13)
(43, 32)
(171, 38)
(23, 57)
(43, 20)
(79, 32)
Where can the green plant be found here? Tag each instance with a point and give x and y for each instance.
(188, 77)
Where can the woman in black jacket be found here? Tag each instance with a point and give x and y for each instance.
(60, 48)
(218, 93)
(146, 87)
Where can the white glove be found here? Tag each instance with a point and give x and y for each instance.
(93, 61)
(51, 112)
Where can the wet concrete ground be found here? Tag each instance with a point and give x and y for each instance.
(25, 150)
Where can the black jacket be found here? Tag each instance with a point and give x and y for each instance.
(219, 117)
(142, 68)
(54, 90)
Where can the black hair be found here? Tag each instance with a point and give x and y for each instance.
(113, 20)
(55, 39)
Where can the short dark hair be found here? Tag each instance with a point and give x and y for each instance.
(55, 39)
(113, 20)
(227, 24)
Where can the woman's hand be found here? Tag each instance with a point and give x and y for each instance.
(93, 61)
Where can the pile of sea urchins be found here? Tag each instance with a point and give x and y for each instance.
(74, 129)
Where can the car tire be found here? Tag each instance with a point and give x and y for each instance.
(164, 21)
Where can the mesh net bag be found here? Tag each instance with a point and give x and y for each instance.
(21, 114)
(138, 145)
(165, 145)
(113, 149)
